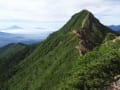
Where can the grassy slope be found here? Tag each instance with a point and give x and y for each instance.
(10, 56)
(57, 65)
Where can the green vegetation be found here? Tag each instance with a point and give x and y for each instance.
(10, 56)
(109, 36)
(55, 64)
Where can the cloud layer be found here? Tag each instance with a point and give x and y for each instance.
(58, 10)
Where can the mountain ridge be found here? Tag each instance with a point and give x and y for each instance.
(88, 28)
(56, 64)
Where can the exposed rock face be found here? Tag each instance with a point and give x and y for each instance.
(115, 85)
(87, 42)
(91, 32)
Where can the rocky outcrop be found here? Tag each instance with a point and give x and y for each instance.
(91, 32)
(87, 41)
(115, 85)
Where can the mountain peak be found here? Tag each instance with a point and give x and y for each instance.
(13, 27)
(83, 19)
(89, 30)
(85, 10)
(87, 21)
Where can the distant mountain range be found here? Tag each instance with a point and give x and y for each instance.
(6, 38)
(12, 27)
(115, 28)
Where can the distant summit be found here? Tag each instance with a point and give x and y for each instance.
(13, 27)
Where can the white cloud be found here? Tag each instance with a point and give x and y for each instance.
(58, 10)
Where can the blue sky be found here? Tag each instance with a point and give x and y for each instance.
(52, 14)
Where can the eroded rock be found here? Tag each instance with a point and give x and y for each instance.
(87, 41)
(115, 85)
